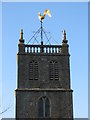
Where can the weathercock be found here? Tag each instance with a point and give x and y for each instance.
(46, 12)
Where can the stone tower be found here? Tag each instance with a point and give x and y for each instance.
(43, 85)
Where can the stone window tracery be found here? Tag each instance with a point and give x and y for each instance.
(44, 107)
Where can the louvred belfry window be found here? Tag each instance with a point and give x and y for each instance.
(33, 70)
(53, 70)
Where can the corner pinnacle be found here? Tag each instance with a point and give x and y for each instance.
(21, 34)
(64, 33)
(21, 40)
(64, 37)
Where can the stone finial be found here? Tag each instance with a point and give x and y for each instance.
(21, 40)
(21, 34)
(64, 35)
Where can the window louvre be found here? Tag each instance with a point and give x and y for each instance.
(33, 70)
(53, 70)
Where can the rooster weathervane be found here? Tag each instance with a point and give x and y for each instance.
(46, 12)
(41, 17)
(41, 29)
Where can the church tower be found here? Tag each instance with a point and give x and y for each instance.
(43, 83)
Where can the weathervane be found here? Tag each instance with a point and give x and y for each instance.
(41, 17)
(46, 12)
(41, 29)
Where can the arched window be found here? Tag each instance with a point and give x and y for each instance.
(33, 70)
(47, 108)
(41, 107)
(44, 107)
(53, 70)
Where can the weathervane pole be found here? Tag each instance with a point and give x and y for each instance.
(41, 32)
(41, 38)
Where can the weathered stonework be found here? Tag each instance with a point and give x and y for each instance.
(29, 91)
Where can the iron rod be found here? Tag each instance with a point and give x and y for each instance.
(41, 32)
